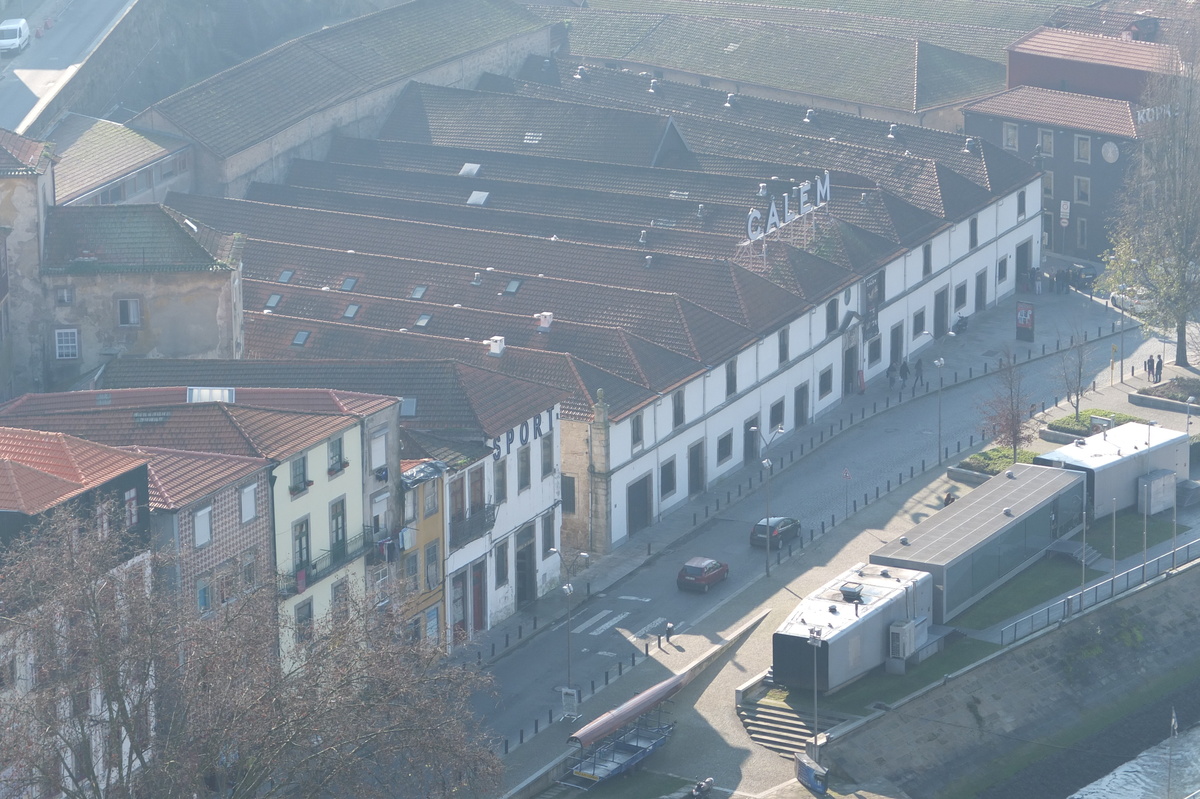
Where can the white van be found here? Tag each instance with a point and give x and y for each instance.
(14, 36)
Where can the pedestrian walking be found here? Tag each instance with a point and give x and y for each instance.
(1149, 366)
(1158, 370)
(891, 374)
(670, 631)
(919, 374)
(904, 373)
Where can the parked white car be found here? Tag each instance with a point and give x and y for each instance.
(14, 36)
(1133, 299)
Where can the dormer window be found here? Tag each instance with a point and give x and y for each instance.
(418, 292)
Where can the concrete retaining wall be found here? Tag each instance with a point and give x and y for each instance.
(1034, 690)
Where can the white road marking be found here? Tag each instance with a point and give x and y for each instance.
(636, 598)
(591, 621)
(611, 622)
(642, 633)
(602, 653)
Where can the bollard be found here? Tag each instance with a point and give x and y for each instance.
(493, 649)
(877, 489)
(693, 518)
(855, 500)
(660, 641)
(1029, 355)
(506, 640)
(506, 746)
(739, 489)
(959, 444)
(841, 424)
(550, 715)
(1093, 385)
(589, 587)
(822, 527)
(620, 668)
(1056, 402)
(1043, 348)
(863, 415)
(889, 484)
(647, 649)
(922, 464)
(985, 367)
(887, 401)
(606, 676)
(832, 519)
(479, 658)
(535, 726)
(972, 442)
(521, 739)
(728, 497)
(912, 472)
(593, 686)
(778, 556)
(956, 377)
(718, 504)
(632, 661)
(520, 631)
(801, 537)
(535, 622)
(706, 510)
(875, 407)
(647, 549)
(970, 372)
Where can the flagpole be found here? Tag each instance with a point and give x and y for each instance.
(1171, 749)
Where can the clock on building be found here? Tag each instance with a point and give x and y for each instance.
(1110, 152)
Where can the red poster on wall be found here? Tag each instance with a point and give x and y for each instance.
(1024, 321)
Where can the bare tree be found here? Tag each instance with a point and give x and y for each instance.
(1157, 238)
(1009, 408)
(116, 690)
(1072, 366)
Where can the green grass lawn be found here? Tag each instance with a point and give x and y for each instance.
(857, 698)
(641, 784)
(1129, 534)
(1040, 583)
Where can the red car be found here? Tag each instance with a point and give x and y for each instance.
(701, 574)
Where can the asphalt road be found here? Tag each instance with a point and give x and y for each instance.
(48, 64)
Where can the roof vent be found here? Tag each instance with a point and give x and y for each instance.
(1008, 512)
(884, 573)
(852, 592)
(970, 145)
(653, 86)
(546, 65)
(833, 609)
(642, 238)
(863, 199)
(495, 345)
(892, 128)
(191, 225)
(810, 115)
(581, 73)
(1010, 475)
(544, 319)
(700, 211)
(649, 261)
(729, 100)
(478, 281)
(762, 189)
(903, 540)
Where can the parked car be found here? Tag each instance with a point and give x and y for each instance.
(14, 36)
(1133, 299)
(701, 574)
(1081, 277)
(783, 528)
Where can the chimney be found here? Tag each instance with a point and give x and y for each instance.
(762, 189)
(810, 115)
(892, 131)
(653, 86)
(495, 346)
(729, 100)
(544, 319)
(478, 281)
(649, 261)
(642, 238)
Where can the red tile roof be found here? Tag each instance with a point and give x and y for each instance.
(22, 156)
(179, 477)
(307, 400)
(1093, 49)
(1061, 109)
(39, 470)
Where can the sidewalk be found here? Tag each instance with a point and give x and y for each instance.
(968, 358)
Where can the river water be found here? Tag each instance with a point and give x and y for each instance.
(1145, 777)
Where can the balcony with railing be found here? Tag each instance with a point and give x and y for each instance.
(341, 553)
(465, 529)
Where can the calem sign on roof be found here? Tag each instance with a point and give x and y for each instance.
(806, 200)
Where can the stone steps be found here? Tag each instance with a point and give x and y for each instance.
(782, 728)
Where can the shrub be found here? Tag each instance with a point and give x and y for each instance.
(1177, 388)
(995, 460)
(1083, 425)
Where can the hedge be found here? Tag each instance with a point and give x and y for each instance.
(995, 460)
(1083, 425)
(1177, 388)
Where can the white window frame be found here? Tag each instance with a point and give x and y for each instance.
(1085, 197)
(202, 526)
(249, 502)
(129, 312)
(66, 344)
(1009, 135)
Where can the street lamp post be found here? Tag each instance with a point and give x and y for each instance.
(568, 589)
(766, 464)
(939, 363)
(814, 640)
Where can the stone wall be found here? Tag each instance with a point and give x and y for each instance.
(1031, 691)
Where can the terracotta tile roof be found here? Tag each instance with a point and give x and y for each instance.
(1092, 49)
(179, 478)
(23, 156)
(878, 70)
(446, 394)
(696, 244)
(1102, 22)
(92, 152)
(1061, 109)
(705, 282)
(270, 336)
(455, 117)
(269, 93)
(568, 201)
(305, 400)
(39, 470)
(130, 238)
(200, 427)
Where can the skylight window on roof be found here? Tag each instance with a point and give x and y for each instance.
(408, 406)
(678, 195)
(512, 286)
(300, 338)
(477, 198)
(423, 319)
(349, 283)
(203, 394)
(732, 47)
(533, 138)
(286, 275)
(418, 292)
(273, 300)
(350, 312)
(469, 170)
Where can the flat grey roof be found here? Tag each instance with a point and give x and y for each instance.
(1102, 449)
(952, 532)
(827, 609)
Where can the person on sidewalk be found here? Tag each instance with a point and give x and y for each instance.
(1149, 365)
(919, 374)
(903, 374)
(1158, 370)
(891, 374)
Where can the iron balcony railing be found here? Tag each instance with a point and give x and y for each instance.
(341, 553)
(465, 529)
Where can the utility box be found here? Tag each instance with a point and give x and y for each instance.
(1156, 491)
